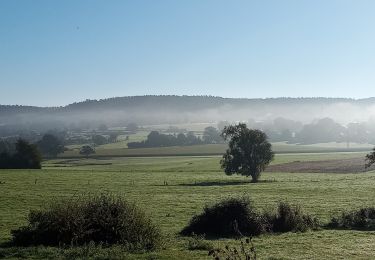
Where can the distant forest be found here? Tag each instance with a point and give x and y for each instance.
(295, 120)
(189, 109)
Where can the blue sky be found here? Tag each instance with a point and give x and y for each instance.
(57, 52)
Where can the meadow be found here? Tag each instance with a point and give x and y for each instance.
(193, 182)
(120, 149)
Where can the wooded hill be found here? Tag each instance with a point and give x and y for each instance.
(188, 109)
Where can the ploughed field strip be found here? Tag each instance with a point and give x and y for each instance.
(351, 165)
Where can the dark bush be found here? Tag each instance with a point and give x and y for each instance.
(101, 219)
(230, 217)
(361, 219)
(291, 218)
(238, 217)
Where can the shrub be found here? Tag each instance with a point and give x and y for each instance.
(361, 219)
(227, 218)
(100, 219)
(291, 218)
(238, 217)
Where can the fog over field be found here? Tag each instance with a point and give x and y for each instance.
(191, 109)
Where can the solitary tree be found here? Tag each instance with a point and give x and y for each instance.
(86, 150)
(249, 151)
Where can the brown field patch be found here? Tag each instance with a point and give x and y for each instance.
(352, 165)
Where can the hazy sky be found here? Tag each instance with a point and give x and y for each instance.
(57, 52)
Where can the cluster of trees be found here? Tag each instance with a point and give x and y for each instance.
(101, 139)
(26, 156)
(155, 139)
(50, 145)
(319, 131)
(22, 154)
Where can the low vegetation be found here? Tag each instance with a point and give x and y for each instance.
(291, 218)
(361, 219)
(228, 218)
(246, 250)
(100, 219)
(235, 217)
(198, 242)
(193, 181)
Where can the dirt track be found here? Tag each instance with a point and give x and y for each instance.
(329, 166)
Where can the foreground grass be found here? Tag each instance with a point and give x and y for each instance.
(192, 183)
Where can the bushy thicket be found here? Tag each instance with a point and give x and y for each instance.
(229, 217)
(100, 219)
(291, 218)
(361, 219)
(238, 217)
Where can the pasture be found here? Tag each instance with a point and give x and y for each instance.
(192, 182)
(120, 149)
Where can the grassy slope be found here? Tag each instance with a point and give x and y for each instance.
(193, 182)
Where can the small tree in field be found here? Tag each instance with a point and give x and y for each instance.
(370, 158)
(249, 151)
(86, 150)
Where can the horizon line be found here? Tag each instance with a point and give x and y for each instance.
(171, 95)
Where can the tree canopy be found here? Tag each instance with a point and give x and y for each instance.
(26, 156)
(212, 136)
(50, 145)
(86, 150)
(99, 139)
(249, 151)
(156, 139)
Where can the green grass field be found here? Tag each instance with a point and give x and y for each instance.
(120, 149)
(192, 183)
